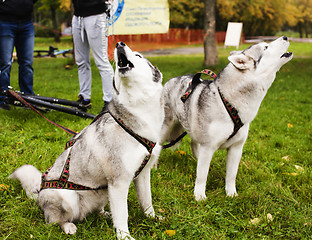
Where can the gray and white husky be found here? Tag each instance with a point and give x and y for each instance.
(243, 84)
(106, 155)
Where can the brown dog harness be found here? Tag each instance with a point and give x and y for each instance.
(63, 183)
(229, 108)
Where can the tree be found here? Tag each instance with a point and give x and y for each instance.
(185, 13)
(210, 48)
(261, 17)
(304, 16)
(52, 10)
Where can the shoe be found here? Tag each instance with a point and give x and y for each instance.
(105, 108)
(85, 104)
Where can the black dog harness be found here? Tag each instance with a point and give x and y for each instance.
(63, 183)
(229, 108)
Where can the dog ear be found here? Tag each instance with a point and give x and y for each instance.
(241, 61)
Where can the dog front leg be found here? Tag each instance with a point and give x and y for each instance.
(203, 163)
(118, 193)
(143, 190)
(234, 154)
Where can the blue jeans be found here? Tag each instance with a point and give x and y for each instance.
(22, 36)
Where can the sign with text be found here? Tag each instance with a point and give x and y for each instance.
(139, 17)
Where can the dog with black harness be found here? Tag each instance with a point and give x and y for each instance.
(216, 114)
(101, 161)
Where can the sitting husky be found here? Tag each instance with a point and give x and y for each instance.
(103, 159)
(217, 114)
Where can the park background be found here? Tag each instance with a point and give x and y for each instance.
(274, 178)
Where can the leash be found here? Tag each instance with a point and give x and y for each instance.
(22, 100)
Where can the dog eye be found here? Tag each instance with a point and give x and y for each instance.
(266, 47)
(138, 55)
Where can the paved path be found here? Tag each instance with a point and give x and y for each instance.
(199, 50)
(174, 51)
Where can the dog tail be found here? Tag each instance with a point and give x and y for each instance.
(30, 179)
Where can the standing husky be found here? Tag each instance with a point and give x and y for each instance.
(207, 114)
(103, 159)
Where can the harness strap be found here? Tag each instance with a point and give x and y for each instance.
(233, 114)
(63, 183)
(192, 85)
(195, 81)
(149, 145)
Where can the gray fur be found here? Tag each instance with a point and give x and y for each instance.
(244, 83)
(104, 154)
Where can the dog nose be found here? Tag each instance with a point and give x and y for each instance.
(285, 38)
(120, 44)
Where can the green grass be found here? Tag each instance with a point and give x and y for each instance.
(268, 181)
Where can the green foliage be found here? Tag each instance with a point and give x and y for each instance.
(184, 13)
(260, 17)
(274, 181)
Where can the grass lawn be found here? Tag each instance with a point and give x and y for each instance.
(274, 180)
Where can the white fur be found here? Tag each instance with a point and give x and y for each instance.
(105, 154)
(244, 83)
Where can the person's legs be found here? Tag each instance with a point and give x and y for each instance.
(96, 28)
(7, 39)
(25, 40)
(82, 57)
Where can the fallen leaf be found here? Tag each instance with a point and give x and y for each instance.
(300, 169)
(290, 125)
(161, 210)
(291, 174)
(181, 152)
(287, 158)
(170, 232)
(255, 221)
(4, 187)
(269, 217)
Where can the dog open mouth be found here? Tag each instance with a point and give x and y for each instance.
(286, 55)
(124, 64)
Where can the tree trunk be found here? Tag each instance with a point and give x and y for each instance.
(210, 47)
(54, 23)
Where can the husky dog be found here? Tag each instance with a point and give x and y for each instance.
(242, 84)
(103, 159)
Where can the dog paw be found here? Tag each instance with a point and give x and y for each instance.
(199, 192)
(69, 228)
(200, 196)
(231, 194)
(121, 235)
